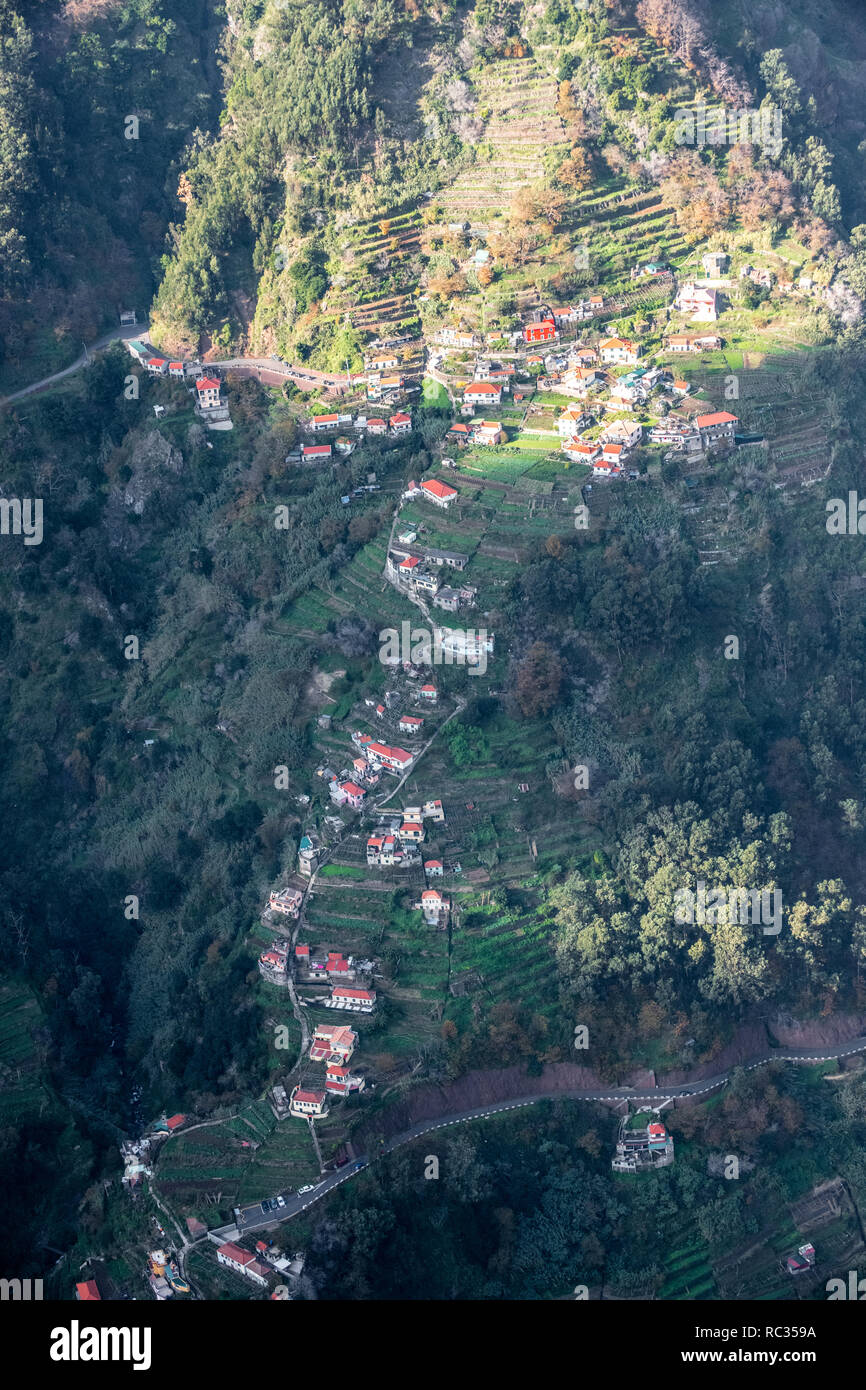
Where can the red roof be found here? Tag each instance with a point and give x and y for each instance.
(317, 449)
(342, 992)
(206, 383)
(337, 1071)
(433, 864)
(174, 1120)
(377, 421)
(302, 950)
(400, 419)
(319, 419)
(261, 1245)
(658, 1130)
(410, 719)
(482, 388)
(235, 1252)
(312, 1097)
(409, 563)
(719, 417)
(459, 429)
(351, 789)
(428, 687)
(438, 489)
(173, 365)
(88, 1292)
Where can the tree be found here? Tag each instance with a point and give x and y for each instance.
(539, 677)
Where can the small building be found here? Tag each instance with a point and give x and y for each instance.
(208, 389)
(433, 868)
(429, 693)
(619, 350)
(157, 365)
(692, 342)
(376, 426)
(318, 423)
(384, 850)
(286, 901)
(333, 1042)
(176, 369)
(411, 832)
(716, 428)
(400, 423)
(312, 453)
(340, 1081)
(309, 1104)
(361, 1001)
(437, 492)
(481, 393)
(697, 302)
(243, 1262)
(802, 1262)
(87, 1292)
(354, 794)
(714, 262)
(394, 759)
(488, 432)
(433, 810)
(410, 724)
(542, 332)
(434, 907)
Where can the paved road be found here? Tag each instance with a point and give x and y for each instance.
(137, 330)
(253, 1218)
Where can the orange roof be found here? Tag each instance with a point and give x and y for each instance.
(719, 417)
(207, 383)
(174, 1120)
(438, 489)
(482, 388)
(87, 1292)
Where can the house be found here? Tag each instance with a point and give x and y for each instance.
(433, 868)
(433, 810)
(381, 364)
(624, 432)
(800, 1263)
(354, 795)
(410, 833)
(488, 432)
(458, 433)
(572, 421)
(717, 428)
(680, 387)
(340, 1081)
(601, 469)
(642, 1147)
(343, 444)
(692, 342)
(453, 559)
(302, 953)
(287, 901)
(434, 907)
(383, 850)
(410, 724)
(437, 492)
(324, 422)
(157, 365)
(175, 369)
(541, 332)
(243, 1262)
(332, 1042)
(714, 262)
(596, 301)
(447, 598)
(275, 961)
(482, 393)
(400, 423)
(618, 350)
(697, 302)
(308, 853)
(309, 1103)
(389, 383)
(394, 759)
(208, 389)
(429, 693)
(612, 453)
(580, 452)
(675, 432)
(312, 452)
(87, 1292)
(362, 1001)
(457, 337)
(376, 426)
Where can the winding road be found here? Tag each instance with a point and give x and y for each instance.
(252, 1218)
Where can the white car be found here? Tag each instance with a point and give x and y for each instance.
(309, 1188)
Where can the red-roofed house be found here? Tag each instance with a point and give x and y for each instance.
(174, 1122)
(579, 452)
(410, 724)
(332, 1042)
(718, 427)
(612, 453)
(340, 1081)
(433, 868)
(411, 833)
(354, 794)
(362, 1001)
(302, 952)
(606, 470)
(243, 1262)
(434, 907)
(87, 1292)
(312, 1103)
(400, 423)
(482, 393)
(437, 492)
(459, 433)
(428, 692)
(376, 426)
(157, 365)
(324, 422)
(316, 451)
(176, 369)
(208, 389)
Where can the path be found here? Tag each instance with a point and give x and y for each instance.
(253, 1219)
(137, 330)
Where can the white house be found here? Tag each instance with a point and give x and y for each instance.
(697, 302)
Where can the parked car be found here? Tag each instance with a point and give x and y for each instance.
(309, 1188)
(281, 1201)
